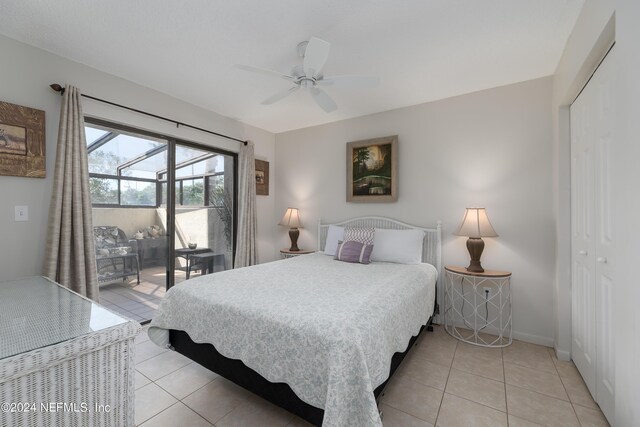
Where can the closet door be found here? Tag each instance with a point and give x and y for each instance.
(604, 238)
(583, 312)
(592, 240)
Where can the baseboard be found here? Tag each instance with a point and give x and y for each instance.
(562, 355)
(534, 339)
(521, 336)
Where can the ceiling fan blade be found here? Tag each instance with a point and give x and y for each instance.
(323, 100)
(315, 56)
(280, 95)
(350, 81)
(264, 72)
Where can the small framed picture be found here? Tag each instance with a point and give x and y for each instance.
(22, 141)
(372, 170)
(262, 178)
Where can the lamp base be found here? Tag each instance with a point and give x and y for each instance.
(475, 246)
(293, 235)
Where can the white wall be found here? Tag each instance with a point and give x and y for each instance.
(589, 41)
(135, 219)
(26, 82)
(491, 149)
(595, 30)
(626, 152)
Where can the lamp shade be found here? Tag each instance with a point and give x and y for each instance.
(476, 224)
(291, 218)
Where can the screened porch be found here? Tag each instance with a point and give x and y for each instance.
(129, 172)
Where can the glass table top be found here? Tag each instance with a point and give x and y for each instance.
(36, 312)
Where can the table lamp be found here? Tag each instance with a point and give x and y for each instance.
(475, 225)
(291, 219)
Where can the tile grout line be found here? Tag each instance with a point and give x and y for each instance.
(146, 385)
(477, 403)
(408, 413)
(542, 371)
(155, 415)
(426, 385)
(171, 406)
(177, 369)
(241, 405)
(529, 390)
(566, 391)
(473, 401)
(568, 400)
(504, 381)
(446, 382)
(555, 398)
(196, 390)
(193, 410)
(450, 367)
(178, 400)
(404, 412)
(144, 376)
(411, 379)
(149, 358)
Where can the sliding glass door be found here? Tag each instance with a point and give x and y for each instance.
(129, 218)
(163, 212)
(204, 211)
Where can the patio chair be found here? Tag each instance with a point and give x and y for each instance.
(116, 254)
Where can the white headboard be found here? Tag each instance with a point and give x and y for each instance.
(431, 245)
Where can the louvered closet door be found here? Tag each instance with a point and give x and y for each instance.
(592, 243)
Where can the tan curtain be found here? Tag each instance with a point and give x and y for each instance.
(246, 251)
(70, 255)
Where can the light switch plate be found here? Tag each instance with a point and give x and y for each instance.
(22, 213)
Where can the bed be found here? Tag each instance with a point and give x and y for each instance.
(316, 336)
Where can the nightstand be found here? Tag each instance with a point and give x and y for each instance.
(286, 253)
(477, 306)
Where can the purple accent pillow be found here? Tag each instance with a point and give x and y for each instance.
(352, 251)
(358, 234)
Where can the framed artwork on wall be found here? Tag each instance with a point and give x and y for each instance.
(262, 178)
(22, 141)
(372, 170)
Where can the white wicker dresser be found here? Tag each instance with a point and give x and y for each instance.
(64, 360)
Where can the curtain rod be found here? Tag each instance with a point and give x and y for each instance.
(58, 88)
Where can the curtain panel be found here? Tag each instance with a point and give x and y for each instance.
(246, 250)
(70, 253)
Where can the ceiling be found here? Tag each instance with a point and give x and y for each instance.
(422, 50)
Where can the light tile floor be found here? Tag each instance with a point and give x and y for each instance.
(139, 301)
(442, 382)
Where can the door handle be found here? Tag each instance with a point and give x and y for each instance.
(601, 259)
(582, 253)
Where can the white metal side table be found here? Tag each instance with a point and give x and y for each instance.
(286, 253)
(477, 306)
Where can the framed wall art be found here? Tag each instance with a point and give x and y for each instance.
(22, 141)
(262, 178)
(372, 170)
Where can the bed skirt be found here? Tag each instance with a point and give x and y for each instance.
(279, 394)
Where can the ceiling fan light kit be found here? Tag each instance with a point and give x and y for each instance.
(308, 75)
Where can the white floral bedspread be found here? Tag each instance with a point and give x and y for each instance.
(326, 328)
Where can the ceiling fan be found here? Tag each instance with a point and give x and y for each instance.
(308, 75)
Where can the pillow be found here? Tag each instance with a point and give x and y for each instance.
(362, 235)
(399, 246)
(352, 251)
(334, 234)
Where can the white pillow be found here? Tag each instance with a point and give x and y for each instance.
(334, 234)
(400, 246)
